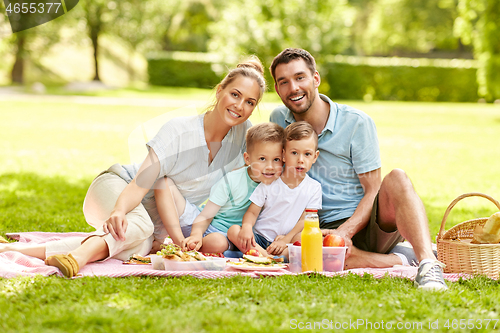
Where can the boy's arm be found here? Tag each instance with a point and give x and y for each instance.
(200, 225)
(168, 211)
(280, 242)
(246, 238)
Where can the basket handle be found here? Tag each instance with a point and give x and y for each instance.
(454, 202)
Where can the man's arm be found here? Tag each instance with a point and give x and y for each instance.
(370, 181)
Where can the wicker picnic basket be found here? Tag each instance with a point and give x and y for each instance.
(458, 254)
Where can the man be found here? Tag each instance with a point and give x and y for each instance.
(370, 214)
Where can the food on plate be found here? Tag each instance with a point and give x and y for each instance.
(333, 240)
(215, 255)
(258, 260)
(253, 252)
(297, 243)
(137, 259)
(277, 259)
(174, 252)
(262, 260)
(490, 233)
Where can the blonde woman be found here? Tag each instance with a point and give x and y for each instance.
(193, 153)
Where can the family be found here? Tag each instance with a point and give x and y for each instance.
(314, 153)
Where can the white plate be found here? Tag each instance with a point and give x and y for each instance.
(275, 267)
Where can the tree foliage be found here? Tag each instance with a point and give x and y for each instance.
(402, 26)
(479, 25)
(265, 27)
(28, 46)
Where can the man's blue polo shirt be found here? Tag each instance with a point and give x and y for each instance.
(348, 146)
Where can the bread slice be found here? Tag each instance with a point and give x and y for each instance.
(258, 260)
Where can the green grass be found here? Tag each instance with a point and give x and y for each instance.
(235, 304)
(50, 153)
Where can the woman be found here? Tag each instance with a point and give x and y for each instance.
(193, 152)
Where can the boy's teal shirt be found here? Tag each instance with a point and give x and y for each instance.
(232, 194)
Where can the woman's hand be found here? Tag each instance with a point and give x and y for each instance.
(246, 239)
(116, 225)
(192, 243)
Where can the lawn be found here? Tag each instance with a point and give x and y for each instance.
(51, 151)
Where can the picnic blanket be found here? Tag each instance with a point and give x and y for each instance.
(14, 264)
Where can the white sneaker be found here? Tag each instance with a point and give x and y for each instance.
(430, 276)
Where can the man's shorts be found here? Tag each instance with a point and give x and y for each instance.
(371, 238)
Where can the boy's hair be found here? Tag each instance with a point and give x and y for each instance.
(290, 54)
(265, 132)
(301, 130)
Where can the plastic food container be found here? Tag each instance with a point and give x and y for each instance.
(333, 258)
(211, 264)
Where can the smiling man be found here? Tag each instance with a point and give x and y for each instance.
(372, 215)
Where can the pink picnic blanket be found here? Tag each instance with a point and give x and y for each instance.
(14, 264)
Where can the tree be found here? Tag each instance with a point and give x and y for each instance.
(398, 27)
(142, 24)
(97, 13)
(266, 27)
(188, 29)
(28, 45)
(478, 25)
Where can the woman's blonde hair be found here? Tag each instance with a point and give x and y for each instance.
(252, 68)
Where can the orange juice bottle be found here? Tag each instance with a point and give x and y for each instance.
(312, 243)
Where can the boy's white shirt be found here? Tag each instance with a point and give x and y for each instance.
(282, 206)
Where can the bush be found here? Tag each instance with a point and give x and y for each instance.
(163, 71)
(401, 83)
(340, 80)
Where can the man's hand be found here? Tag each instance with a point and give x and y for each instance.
(192, 243)
(246, 239)
(116, 225)
(277, 247)
(347, 240)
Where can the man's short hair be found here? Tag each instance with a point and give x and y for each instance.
(290, 54)
(265, 132)
(301, 130)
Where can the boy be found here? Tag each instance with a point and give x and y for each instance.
(277, 209)
(229, 198)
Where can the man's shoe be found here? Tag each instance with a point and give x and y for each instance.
(430, 276)
(65, 262)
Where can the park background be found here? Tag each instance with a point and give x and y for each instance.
(73, 89)
(436, 50)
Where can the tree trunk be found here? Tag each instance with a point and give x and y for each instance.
(94, 24)
(17, 73)
(94, 36)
